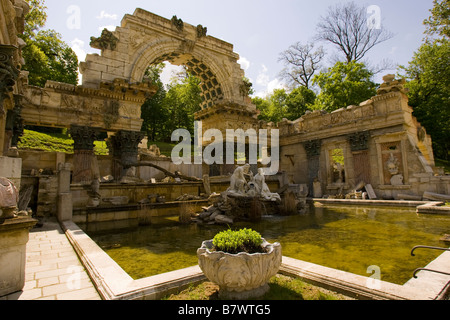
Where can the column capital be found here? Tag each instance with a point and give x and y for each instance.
(83, 137)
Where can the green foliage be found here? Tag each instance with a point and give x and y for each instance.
(54, 142)
(280, 104)
(182, 102)
(172, 108)
(46, 56)
(428, 76)
(244, 240)
(153, 111)
(343, 85)
(439, 21)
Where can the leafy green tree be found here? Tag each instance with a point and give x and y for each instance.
(439, 21)
(182, 101)
(429, 82)
(263, 105)
(428, 76)
(153, 111)
(343, 85)
(298, 102)
(283, 105)
(46, 56)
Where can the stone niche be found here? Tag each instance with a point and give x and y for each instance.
(14, 234)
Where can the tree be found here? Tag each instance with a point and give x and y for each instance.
(428, 76)
(344, 84)
(346, 27)
(273, 107)
(282, 105)
(182, 101)
(439, 21)
(153, 111)
(46, 56)
(302, 62)
(298, 102)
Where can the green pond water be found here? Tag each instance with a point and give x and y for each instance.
(345, 238)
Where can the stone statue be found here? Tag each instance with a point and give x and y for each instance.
(263, 189)
(9, 197)
(238, 182)
(392, 166)
(253, 186)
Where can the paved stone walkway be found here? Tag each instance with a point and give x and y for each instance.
(53, 270)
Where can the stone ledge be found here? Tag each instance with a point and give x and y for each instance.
(433, 208)
(113, 283)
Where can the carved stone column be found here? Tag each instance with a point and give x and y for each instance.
(312, 149)
(84, 159)
(8, 76)
(124, 148)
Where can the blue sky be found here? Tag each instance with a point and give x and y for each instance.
(258, 29)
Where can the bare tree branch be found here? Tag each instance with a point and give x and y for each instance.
(302, 62)
(346, 27)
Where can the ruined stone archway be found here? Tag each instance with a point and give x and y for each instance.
(144, 39)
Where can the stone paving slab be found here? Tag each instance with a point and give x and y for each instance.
(53, 270)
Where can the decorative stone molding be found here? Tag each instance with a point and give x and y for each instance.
(8, 72)
(124, 145)
(359, 141)
(177, 23)
(106, 41)
(83, 137)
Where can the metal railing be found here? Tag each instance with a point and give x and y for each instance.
(426, 269)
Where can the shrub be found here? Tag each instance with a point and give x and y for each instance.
(244, 240)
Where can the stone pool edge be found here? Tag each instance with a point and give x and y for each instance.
(113, 283)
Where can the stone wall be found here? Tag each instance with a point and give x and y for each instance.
(378, 142)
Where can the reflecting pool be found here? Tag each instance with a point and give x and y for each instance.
(345, 238)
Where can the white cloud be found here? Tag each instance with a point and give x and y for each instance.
(263, 78)
(104, 15)
(78, 48)
(245, 64)
(110, 28)
(267, 86)
(393, 50)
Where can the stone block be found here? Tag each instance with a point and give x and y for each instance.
(14, 234)
(65, 207)
(11, 168)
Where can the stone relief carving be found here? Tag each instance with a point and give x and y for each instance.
(359, 141)
(83, 137)
(107, 40)
(201, 31)
(393, 168)
(8, 72)
(178, 23)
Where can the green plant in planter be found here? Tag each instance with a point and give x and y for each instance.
(233, 242)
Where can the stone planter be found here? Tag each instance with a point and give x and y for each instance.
(240, 276)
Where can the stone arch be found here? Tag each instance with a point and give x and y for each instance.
(144, 39)
(214, 84)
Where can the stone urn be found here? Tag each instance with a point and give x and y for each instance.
(240, 276)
